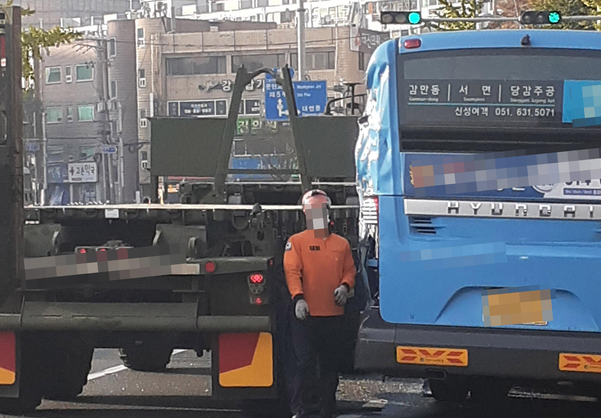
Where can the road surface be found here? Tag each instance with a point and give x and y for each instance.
(182, 392)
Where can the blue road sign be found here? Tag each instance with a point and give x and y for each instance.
(109, 149)
(311, 99)
(32, 147)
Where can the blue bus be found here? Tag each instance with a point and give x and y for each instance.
(442, 254)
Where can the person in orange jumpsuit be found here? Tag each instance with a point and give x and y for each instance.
(320, 274)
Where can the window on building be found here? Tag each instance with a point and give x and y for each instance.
(262, 3)
(86, 153)
(113, 89)
(84, 72)
(140, 37)
(143, 120)
(69, 112)
(218, 7)
(361, 61)
(112, 47)
(246, 4)
(54, 114)
(53, 75)
(285, 1)
(287, 16)
(342, 12)
(68, 74)
(196, 65)
(316, 60)
(254, 62)
(54, 153)
(85, 113)
(142, 78)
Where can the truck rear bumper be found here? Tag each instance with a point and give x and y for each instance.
(142, 317)
(491, 352)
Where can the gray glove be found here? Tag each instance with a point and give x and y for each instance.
(301, 310)
(341, 295)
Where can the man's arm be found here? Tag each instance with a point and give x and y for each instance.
(349, 270)
(293, 266)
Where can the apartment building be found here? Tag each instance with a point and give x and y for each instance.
(89, 95)
(70, 90)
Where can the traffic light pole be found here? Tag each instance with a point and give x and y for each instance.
(496, 19)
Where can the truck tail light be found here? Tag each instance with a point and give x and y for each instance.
(256, 278)
(210, 267)
(256, 287)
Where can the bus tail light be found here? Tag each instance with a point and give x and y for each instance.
(412, 43)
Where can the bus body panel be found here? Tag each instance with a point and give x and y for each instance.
(423, 305)
(428, 293)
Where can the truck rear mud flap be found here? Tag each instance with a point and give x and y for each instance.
(433, 351)
(244, 366)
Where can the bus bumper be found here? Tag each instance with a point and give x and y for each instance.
(519, 355)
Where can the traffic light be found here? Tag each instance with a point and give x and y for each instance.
(540, 18)
(400, 18)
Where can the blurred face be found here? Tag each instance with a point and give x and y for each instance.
(317, 219)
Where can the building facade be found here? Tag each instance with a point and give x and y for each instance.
(123, 106)
(74, 13)
(71, 85)
(192, 74)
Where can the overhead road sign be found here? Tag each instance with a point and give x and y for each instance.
(311, 98)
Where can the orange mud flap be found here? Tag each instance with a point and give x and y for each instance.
(9, 387)
(244, 366)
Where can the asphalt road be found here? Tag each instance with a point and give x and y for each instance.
(183, 391)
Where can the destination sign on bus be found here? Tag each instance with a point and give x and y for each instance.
(478, 102)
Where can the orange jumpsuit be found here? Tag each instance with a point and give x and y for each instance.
(315, 267)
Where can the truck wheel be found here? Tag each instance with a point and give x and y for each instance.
(448, 390)
(488, 390)
(145, 357)
(71, 364)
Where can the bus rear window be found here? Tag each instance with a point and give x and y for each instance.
(480, 95)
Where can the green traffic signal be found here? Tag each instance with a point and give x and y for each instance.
(400, 18)
(414, 18)
(554, 17)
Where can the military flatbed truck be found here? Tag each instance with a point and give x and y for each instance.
(73, 278)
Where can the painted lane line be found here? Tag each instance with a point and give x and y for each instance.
(116, 369)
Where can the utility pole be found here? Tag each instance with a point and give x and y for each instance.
(12, 213)
(103, 65)
(44, 160)
(301, 39)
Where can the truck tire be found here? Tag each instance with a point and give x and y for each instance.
(488, 390)
(448, 390)
(145, 357)
(71, 364)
